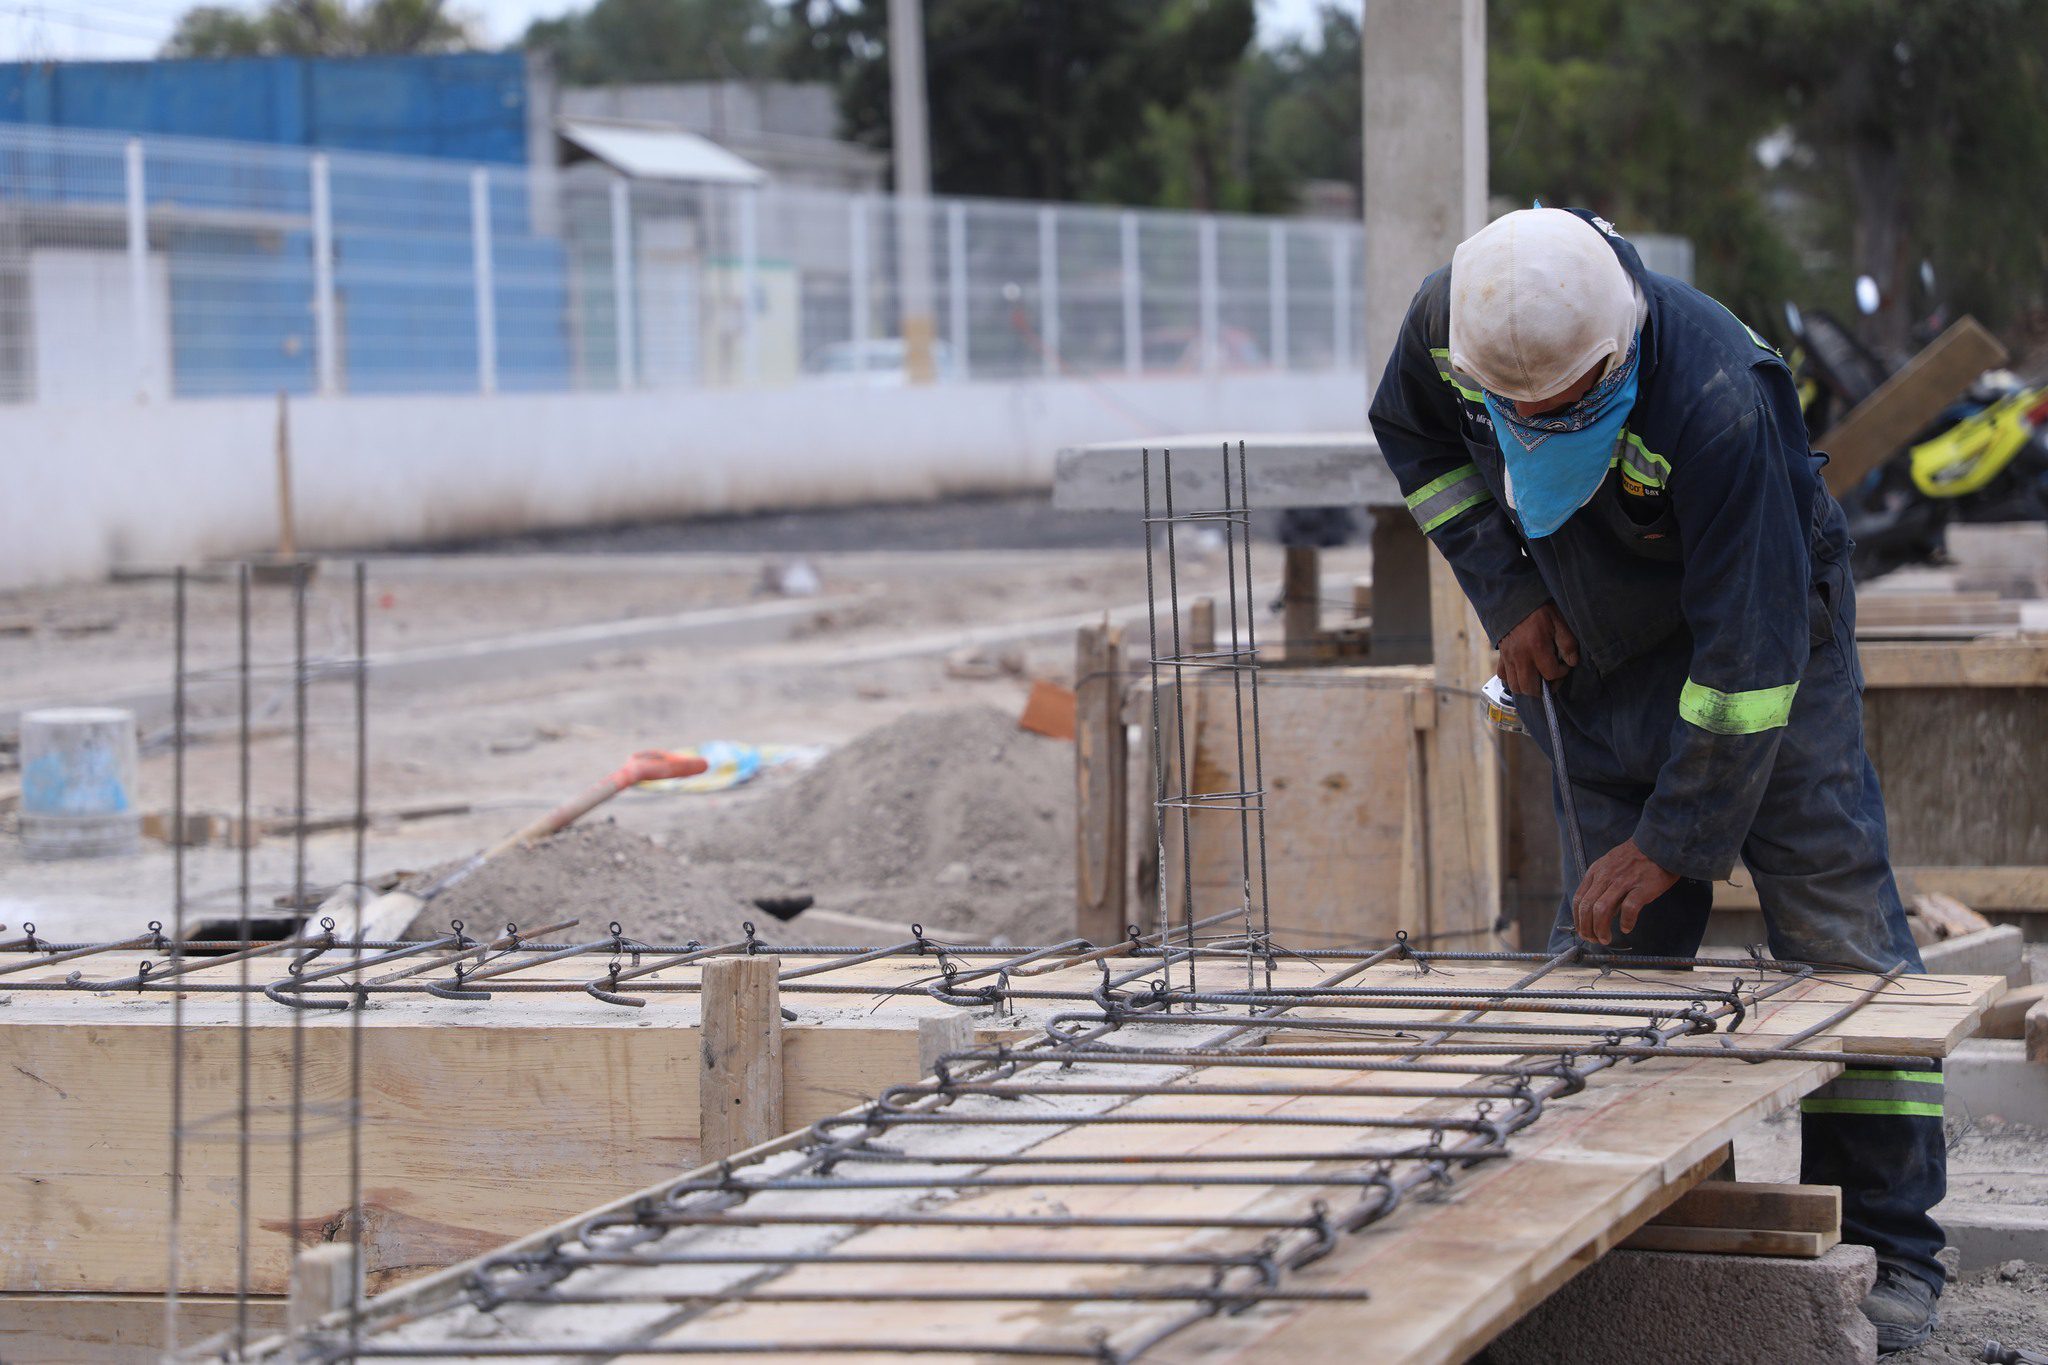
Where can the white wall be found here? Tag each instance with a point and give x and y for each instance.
(83, 488)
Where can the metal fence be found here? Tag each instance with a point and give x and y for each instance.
(180, 268)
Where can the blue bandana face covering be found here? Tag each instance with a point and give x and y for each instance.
(1556, 462)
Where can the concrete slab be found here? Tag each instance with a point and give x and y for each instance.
(1305, 469)
(1682, 1309)
(1992, 1234)
(1998, 951)
(1992, 1076)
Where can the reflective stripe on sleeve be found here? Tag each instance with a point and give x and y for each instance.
(1914, 1094)
(1464, 383)
(1442, 498)
(1736, 713)
(1641, 463)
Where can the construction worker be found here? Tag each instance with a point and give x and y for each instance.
(1617, 470)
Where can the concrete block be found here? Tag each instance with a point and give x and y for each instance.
(1993, 1076)
(1992, 1234)
(1682, 1309)
(1306, 469)
(1998, 951)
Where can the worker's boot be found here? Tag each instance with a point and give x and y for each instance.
(1901, 1304)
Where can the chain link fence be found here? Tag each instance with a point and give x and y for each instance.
(161, 268)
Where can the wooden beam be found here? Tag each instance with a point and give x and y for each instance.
(1463, 779)
(1804, 1246)
(1102, 775)
(1878, 426)
(1301, 605)
(739, 1081)
(118, 1329)
(2009, 889)
(1960, 663)
(1752, 1204)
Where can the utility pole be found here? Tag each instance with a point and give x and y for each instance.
(913, 186)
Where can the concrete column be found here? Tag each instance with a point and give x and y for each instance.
(1425, 191)
(1425, 151)
(912, 151)
(326, 338)
(486, 281)
(139, 310)
(622, 280)
(1134, 333)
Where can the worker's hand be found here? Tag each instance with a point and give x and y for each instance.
(1542, 647)
(1620, 884)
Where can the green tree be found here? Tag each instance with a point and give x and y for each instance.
(664, 40)
(1132, 101)
(1906, 131)
(1306, 114)
(319, 28)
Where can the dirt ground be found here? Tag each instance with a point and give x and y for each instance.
(508, 741)
(2007, 1304)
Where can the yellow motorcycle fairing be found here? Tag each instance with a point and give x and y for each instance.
(1976, 450)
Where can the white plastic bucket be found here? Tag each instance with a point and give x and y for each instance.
(78, 768)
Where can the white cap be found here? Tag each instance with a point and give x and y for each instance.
(1537, 299)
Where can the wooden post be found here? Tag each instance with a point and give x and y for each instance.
(937, 1037)
(1202, 625)
(739, 1082)
(323, 1282)
(1400, 588)
(1301, 587)
(287, 536)
(1101, 785)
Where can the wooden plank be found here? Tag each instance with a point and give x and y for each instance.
(1885, 609)
(1101, 785)
(1960, 768)
(1463, 775)
(1961, 663)
(1746, 1204)
(1335, 759)
(116, 1329)
(1465, 1259)
(1877, 427)
(2009, 890)
(739, 1082)
(1804, 1246)
(1512, 1232)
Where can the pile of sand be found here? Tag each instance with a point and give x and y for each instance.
(952, 817)
(594, 873)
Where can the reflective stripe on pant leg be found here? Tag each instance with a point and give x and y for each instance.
(1891, 1163)
(1862, 1091)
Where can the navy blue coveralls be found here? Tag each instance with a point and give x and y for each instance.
(1717, 705)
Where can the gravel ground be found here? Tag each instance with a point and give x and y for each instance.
(2007, 1304)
